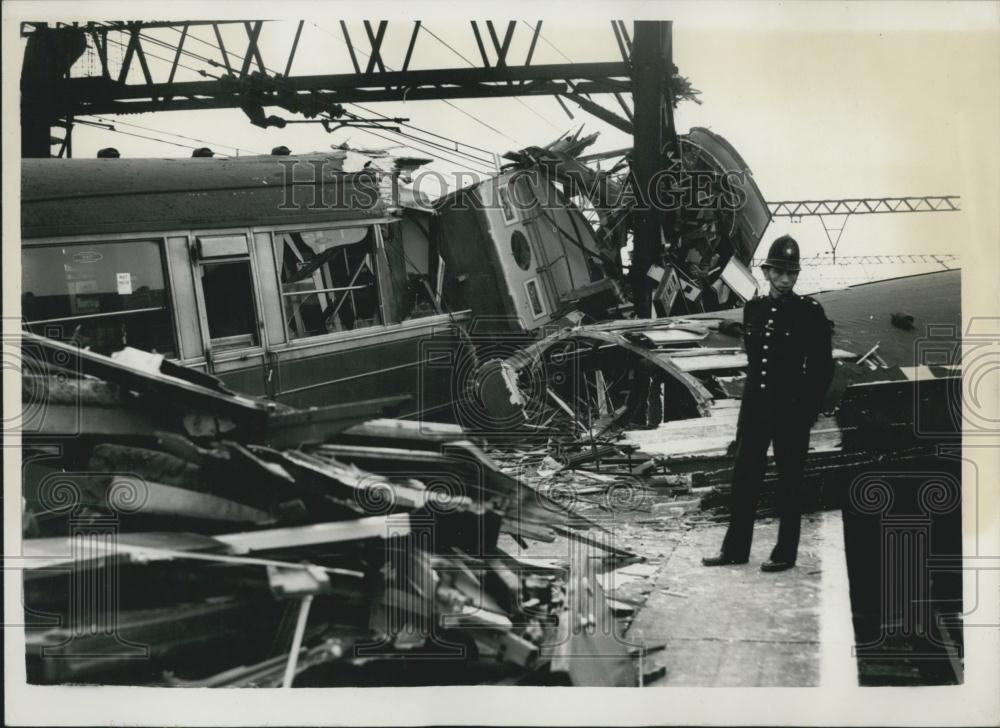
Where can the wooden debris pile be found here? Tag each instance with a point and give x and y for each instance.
(179, 534)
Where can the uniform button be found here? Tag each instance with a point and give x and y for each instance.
(767, 333)
(765, 346)
(764, 360)
(763, 386)
(773, 308)
(770, 321)
(763, 372)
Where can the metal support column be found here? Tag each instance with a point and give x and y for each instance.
(652, 67)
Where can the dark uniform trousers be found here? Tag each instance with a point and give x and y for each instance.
(789, 367)
(790, 436)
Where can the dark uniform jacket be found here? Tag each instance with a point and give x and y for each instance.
(790, 358)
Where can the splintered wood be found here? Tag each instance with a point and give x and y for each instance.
(252, 544)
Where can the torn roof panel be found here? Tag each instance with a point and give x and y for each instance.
(862, 315)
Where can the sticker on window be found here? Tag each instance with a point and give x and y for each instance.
(87, 256)
(101, 295)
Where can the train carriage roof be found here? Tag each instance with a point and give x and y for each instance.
(94, 196)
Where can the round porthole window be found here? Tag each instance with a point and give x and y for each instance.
(521, 250)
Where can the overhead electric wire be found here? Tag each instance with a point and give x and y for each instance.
(451, 160)
(152, 139)
(159, 131)
(211, 45)
(173, 134)
(445, 101)
(147, 54)
(549, 43)
(382, 117)
(552, 46)
(164, 44)
(165, 60)
(472, 157)
(203, 59)
(404, 135)
(520, 101)
(436, 145)
(423, 141)
(459, 163)
(183, 51)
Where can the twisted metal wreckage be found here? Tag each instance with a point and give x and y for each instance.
(320, 542)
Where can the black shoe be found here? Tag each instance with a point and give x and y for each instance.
(721, 560)
(771, 565)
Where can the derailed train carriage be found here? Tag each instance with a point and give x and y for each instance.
(287, 278)
(278, 275)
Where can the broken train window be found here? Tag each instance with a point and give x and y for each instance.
(102, 296)
(413, 269)
(328, 280)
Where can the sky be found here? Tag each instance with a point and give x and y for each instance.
(863, 106)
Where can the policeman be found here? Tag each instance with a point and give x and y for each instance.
(789, 367)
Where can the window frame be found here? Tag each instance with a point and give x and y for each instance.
(377, 255)
(158, 238)
(503, 197)
(177, 270)
(538, 295)
(228, 354)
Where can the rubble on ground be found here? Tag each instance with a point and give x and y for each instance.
(247, 543)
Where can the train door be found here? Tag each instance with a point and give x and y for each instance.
(525, 267)
(230, 311)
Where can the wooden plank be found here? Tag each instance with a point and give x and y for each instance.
(711, 436)
(659, 337)
(65, 420)
(318, 533)
(707, 362)
(391, 429)
(708, 359)
(41, 554)
(145, 379)
(472, 617)
(318, 424)
(722, 404)
(169, 500)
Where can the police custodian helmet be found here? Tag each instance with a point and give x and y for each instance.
(783, 254)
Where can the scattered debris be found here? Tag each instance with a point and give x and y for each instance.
(254, 544)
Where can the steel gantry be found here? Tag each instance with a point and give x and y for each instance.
(241, 79)
(841, 210)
